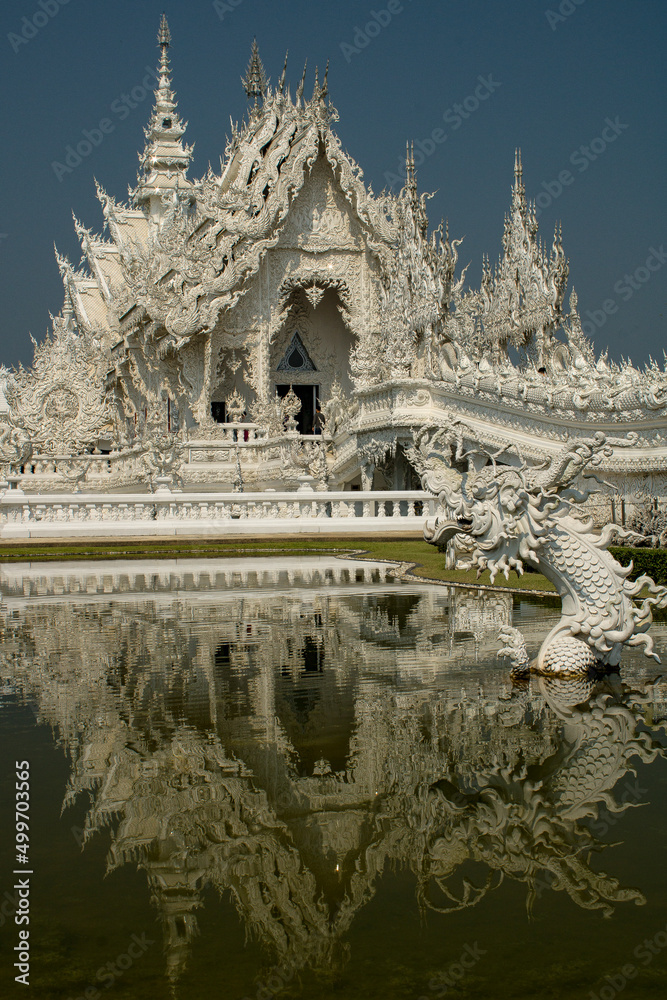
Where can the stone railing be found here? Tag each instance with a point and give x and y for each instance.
(225, 435)
(250, 440)
(46, 472)
(52, 515)
(500, 415)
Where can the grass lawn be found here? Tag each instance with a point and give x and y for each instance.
(429, 562)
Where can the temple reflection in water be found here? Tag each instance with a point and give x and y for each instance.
(283, 729)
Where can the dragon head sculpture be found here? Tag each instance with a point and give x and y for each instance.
(510, 516)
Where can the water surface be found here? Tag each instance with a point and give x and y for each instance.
(298, 777)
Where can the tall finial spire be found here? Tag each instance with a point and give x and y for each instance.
(254, 81)
(418, 209)
(165, 160)
(410, 175)
(164, 36)
(518, 190)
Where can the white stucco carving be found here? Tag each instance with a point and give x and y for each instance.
(512, 518)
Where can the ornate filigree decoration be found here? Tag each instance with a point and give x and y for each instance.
(16, 446)
(433, 449)
(290, 405)
(314, 295)
(338, 411)
(308, 457)
(163, 459)
(236, 407)
(61, 401)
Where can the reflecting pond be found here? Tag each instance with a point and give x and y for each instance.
(303, 777)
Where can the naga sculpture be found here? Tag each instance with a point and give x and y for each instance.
(511, 517)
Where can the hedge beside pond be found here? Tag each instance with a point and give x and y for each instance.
(651, 561)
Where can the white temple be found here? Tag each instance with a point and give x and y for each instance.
(279, 322)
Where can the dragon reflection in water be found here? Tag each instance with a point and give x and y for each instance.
(261, 748)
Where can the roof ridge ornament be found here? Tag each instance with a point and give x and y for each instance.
(281, 81)
(299, 89)
(255, 82)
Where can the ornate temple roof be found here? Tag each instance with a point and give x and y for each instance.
(181, 252)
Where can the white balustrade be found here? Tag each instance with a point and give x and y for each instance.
(212, 514)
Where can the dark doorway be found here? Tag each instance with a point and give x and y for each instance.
(308, 394)
(218, 412)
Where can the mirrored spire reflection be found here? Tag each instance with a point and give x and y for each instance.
(277, 731)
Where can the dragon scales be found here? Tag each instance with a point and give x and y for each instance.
(510, 517)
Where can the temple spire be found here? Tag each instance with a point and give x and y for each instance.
(417, 203)
(164, 35)
(518, 190)
(165, 159)
(255, 82)
(410, 175)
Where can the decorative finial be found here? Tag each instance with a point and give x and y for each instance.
(281, 81)
(325, 84)
(255, 81)
(165, 159)
(299, 90)
(519, 203)
(164, 36)
(410, 177)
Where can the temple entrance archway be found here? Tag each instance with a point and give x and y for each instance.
(311, 351)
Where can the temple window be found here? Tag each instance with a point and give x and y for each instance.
(296, 357)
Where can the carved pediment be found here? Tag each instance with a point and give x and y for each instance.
(320, 218)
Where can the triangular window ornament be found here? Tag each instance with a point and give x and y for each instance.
(296, 357)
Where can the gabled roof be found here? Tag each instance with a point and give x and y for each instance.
(192, 260)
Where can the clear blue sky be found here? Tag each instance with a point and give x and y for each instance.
(552, 80)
